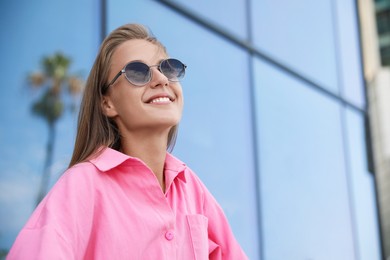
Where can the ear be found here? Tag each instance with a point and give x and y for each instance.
(108, 107)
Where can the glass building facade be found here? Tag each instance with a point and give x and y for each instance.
(274, 118)
(383, 27)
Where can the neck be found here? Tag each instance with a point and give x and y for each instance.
(151, 149)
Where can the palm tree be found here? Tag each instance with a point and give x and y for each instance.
(55, 82)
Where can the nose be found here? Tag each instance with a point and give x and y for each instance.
(158, 78)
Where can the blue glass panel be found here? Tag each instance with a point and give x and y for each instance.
(304, 190)
(30, 30)
(300, 34)
(230, 15)
(363, 189)
(215, 137)
(349, 52)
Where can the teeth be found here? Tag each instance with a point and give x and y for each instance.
(160, 100)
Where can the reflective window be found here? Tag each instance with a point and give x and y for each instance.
(299, 34)
(317, 198)
(304, 189)
(230, 15)
(215, 135)
(363, 189)
(349, 53)
(30, 31)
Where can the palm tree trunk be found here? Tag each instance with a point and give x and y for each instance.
(48, 162)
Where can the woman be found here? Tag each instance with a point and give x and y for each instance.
(124, 196)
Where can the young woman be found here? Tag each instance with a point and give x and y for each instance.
(124, 196)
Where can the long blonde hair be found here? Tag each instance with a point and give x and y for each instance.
(95, 130)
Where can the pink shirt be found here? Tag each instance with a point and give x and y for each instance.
(113, 207)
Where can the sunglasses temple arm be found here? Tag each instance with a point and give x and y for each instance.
(105, 88)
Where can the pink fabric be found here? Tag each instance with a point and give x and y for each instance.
(113, 208)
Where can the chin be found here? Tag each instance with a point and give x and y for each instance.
(168, 119)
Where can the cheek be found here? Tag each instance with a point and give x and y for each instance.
(179, 92)
(180, 99)
(126, 100)
(181, 105)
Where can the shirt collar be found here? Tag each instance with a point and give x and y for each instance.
(174, 168)
(108, 159)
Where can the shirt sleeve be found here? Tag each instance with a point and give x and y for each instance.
(60, 225)
(40, 243)
(222, 243)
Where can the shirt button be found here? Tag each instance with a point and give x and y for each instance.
(169, 235)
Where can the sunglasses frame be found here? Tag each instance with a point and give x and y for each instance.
(123, 71)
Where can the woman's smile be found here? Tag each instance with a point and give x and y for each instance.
(161, 99)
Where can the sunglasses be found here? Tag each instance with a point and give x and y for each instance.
(139, 73)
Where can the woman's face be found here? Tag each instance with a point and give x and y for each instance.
(157, 105)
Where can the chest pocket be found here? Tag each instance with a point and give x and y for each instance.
(198, 230)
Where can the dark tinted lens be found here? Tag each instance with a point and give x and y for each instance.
(137, 73)
(173, 69)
